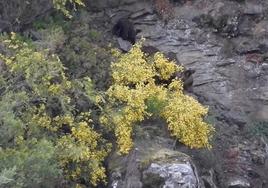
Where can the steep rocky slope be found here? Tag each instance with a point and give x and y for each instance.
(226, 42)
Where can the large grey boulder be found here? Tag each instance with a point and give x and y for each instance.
(170, 174)
(152, 163)
(163, 168)
(124, 44)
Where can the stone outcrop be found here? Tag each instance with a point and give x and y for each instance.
(226, 43)
(153, 163)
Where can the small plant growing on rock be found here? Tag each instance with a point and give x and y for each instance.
(258, 129)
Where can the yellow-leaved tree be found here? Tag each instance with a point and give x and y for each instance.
(61, 5)
(77, 149)
(135, 95)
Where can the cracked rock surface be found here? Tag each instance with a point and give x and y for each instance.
(226, 43)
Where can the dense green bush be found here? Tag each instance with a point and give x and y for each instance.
(83, 57)
(31, 163)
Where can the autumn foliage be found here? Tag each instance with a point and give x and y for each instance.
(61, 5)
(135, 96)
(75, 151)
(50, 137)
(46, 137)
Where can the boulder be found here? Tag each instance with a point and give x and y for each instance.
(124, 45)
(170, 174)
(238, 182)
(152, 163)
(163, 168)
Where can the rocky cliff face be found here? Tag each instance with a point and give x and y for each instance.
(226, 42)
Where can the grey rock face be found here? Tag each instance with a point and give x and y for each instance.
(153, 163)
(226, 43)
(208, 180)
(124, 44)
(171, 175)
(100, 5)
(224, 18)
(168, 169)
(238, 182)
(253, 8)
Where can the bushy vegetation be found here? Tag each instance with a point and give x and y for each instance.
(54, 119)
(61, 5)
(83, 57)
(135, 96)
(44, 140)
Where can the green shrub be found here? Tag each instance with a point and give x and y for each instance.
(55, 19)
(44, 141)
(259, 128)
(30, 164)
(61, 5)
(82, 58)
